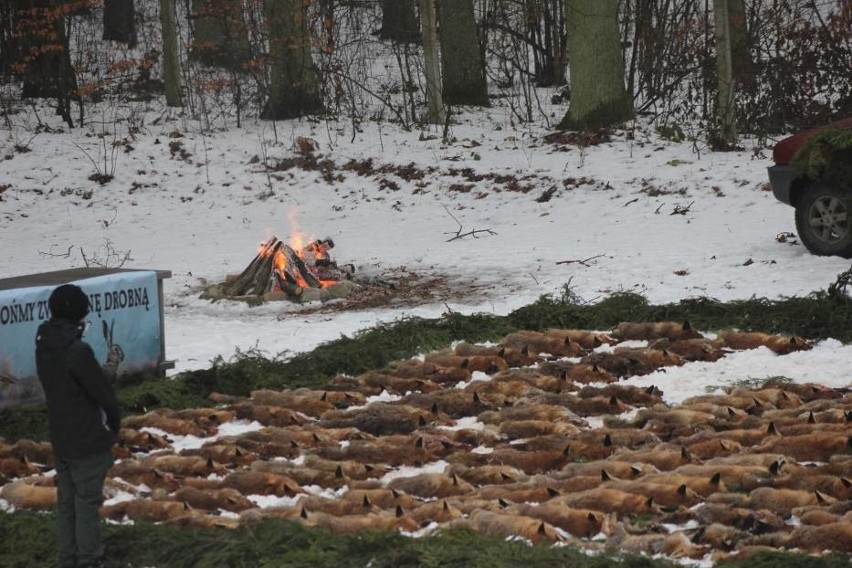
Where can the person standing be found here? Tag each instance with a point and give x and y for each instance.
(83, 418)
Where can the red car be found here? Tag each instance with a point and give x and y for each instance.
(823, 206)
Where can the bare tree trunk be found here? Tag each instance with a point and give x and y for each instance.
(461, 61)
(399, 21)
(598, 96)
(726, 111)
(435, 114)
(49, 72)
(120, 21)
(545, 31)
(743, 65)
(294, 85)
(220, 35)
(171, 57)
(10, 43)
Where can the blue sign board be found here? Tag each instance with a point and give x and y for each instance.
(125, 311)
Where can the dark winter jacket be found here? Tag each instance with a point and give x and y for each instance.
(82, 410)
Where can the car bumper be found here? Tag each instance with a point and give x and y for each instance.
(781, 180)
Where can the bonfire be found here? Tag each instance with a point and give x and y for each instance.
(295, 271)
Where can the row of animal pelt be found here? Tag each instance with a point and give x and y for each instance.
(533, 437)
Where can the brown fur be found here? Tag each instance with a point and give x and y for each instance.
(304, 402)
(777, 397)
(261, 483)
(148, 510)
(487, 474)
(664, 458)
(752, 340)
(358, 523)
(140, 441)
(580, 523)
(730, 474)
(695, 349)
(439, 511)
(225, 498)
(534, 490)
(607, 499)
(380, 419)
(783, 501)
(34, 452)
(25, 494)
(832, 536)
(662, 492)
(382, 497)
(161, 421)
(528, 462)
(513, 357)
(454, 403)
(718, 536)
(488, 364)
(628, 394)
(393, 450)
(417, 369)
(17, 467)
(517, 429)
(227, 454)
(703, 486)
(192, 466)
(497, 524)
(675, 545)
(586, 339)
(583, 373)
(630, 361)
(616, 468)
(540, 343)
(268, 415)
(819, 446)
(656, 330)
(138, 472)
(713, 448)
(432, 485)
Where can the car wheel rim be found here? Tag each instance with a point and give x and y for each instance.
(827, 219)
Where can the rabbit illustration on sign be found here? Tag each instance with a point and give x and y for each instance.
(115, 354)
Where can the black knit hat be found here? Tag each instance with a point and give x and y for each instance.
(69, 302)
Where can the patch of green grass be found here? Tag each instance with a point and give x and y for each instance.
(28, 539)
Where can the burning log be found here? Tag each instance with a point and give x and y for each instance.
(279, 267)
(255, 278)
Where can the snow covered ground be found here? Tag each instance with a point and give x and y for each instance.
(635, 213)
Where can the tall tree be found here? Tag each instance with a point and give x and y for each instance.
(294, 85)
(726, 111)
(432, 63)
(545, 22)
(171, 56)
(220, 34)
(120, 21)
(45, 53)
(462, 61)
(741, 59)
(399, 21)
(598, 96)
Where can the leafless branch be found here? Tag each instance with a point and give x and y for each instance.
(584, 262)
(65, 254)
(459, 234)
(681, 210)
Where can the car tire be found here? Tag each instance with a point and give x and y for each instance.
(824, 220)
